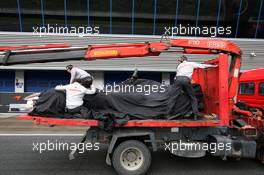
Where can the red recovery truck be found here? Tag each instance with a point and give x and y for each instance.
(251, 88)
(238, 131)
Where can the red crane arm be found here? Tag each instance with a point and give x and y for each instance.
(125, 50)
(190, 46)
(212, 46)
(25, 54)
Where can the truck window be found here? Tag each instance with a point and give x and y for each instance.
(247, 88)
(261, 89)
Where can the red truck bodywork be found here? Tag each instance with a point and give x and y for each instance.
(40, 120)
(255, 99)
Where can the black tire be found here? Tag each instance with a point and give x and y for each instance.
(137, 152)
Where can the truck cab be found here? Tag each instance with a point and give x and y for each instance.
(251, 88)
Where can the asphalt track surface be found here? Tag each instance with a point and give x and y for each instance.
(18, 158)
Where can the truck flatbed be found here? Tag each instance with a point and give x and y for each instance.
(40, 120)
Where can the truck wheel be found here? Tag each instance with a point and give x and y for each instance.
(131, 157)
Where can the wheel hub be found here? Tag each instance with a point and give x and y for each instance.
(131, 156)
(132, 159)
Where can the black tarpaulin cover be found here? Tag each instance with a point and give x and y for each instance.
(51, 103)
(119, 107)
(167, 102)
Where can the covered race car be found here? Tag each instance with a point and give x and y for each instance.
(132, 99)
